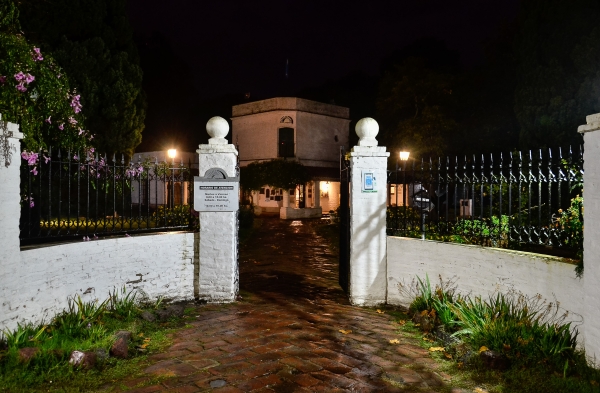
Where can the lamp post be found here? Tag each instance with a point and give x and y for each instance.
(403, 157)
(172, 153)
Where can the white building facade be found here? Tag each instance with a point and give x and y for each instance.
(296, 129)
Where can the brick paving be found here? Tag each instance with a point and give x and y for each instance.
(283, 334)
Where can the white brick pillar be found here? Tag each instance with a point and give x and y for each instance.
(218, 273)
(591, 243)
(10, 190)
(368, 244)
(317, 191)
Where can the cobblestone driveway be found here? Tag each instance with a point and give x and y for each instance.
(283, 335)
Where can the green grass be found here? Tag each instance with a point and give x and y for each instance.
(83, 326)
(537, 339)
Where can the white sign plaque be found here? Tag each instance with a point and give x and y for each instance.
(216, 196)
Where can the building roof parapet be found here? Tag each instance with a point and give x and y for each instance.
(291, 104)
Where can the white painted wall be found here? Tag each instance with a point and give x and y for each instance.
(43, 278)
(481, 271)
(35, 283)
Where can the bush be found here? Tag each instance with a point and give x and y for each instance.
(570, 222)
(35, 92)
(180, 215)
(492, 232)
(527, 330)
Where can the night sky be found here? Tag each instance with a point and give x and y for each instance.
(237, 47)
(242, 46)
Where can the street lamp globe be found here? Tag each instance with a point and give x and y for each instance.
(172, 153)
(404, 155)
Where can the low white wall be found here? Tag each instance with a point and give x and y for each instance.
(482, 271)
(44, 277)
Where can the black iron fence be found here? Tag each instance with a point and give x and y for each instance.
(83, 195)
(525, 200)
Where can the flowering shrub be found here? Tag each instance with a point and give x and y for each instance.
(35, 93)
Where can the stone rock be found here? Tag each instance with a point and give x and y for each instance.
(124, 334)
(26, 354)
(85, 360)
(148, 316)
(176, 310)
(494, 360)
(163, 315)
(76, 358)
(121, 346)
(217, 383)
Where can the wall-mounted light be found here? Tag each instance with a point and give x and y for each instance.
(324, 189)
(172, 153)
(404, 155)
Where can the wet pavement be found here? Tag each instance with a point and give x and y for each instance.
(292, 330)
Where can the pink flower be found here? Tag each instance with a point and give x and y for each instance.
(75, 157)
(49, 120)
(21, 77)
(36, 55)
(72, 120)
(34, 171)
(75, 104)
(81, 131)
(21, 87)
(2, 79)
(46, 159)
(61, 127)
(31, 157)
(31, 204)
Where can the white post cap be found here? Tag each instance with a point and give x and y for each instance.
(367, 129)
(217, 128)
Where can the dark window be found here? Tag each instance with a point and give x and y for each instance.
(268, 193)
(286, 142)
(262, 191)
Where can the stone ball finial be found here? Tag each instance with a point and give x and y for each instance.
(367, 129)
(217, 128)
